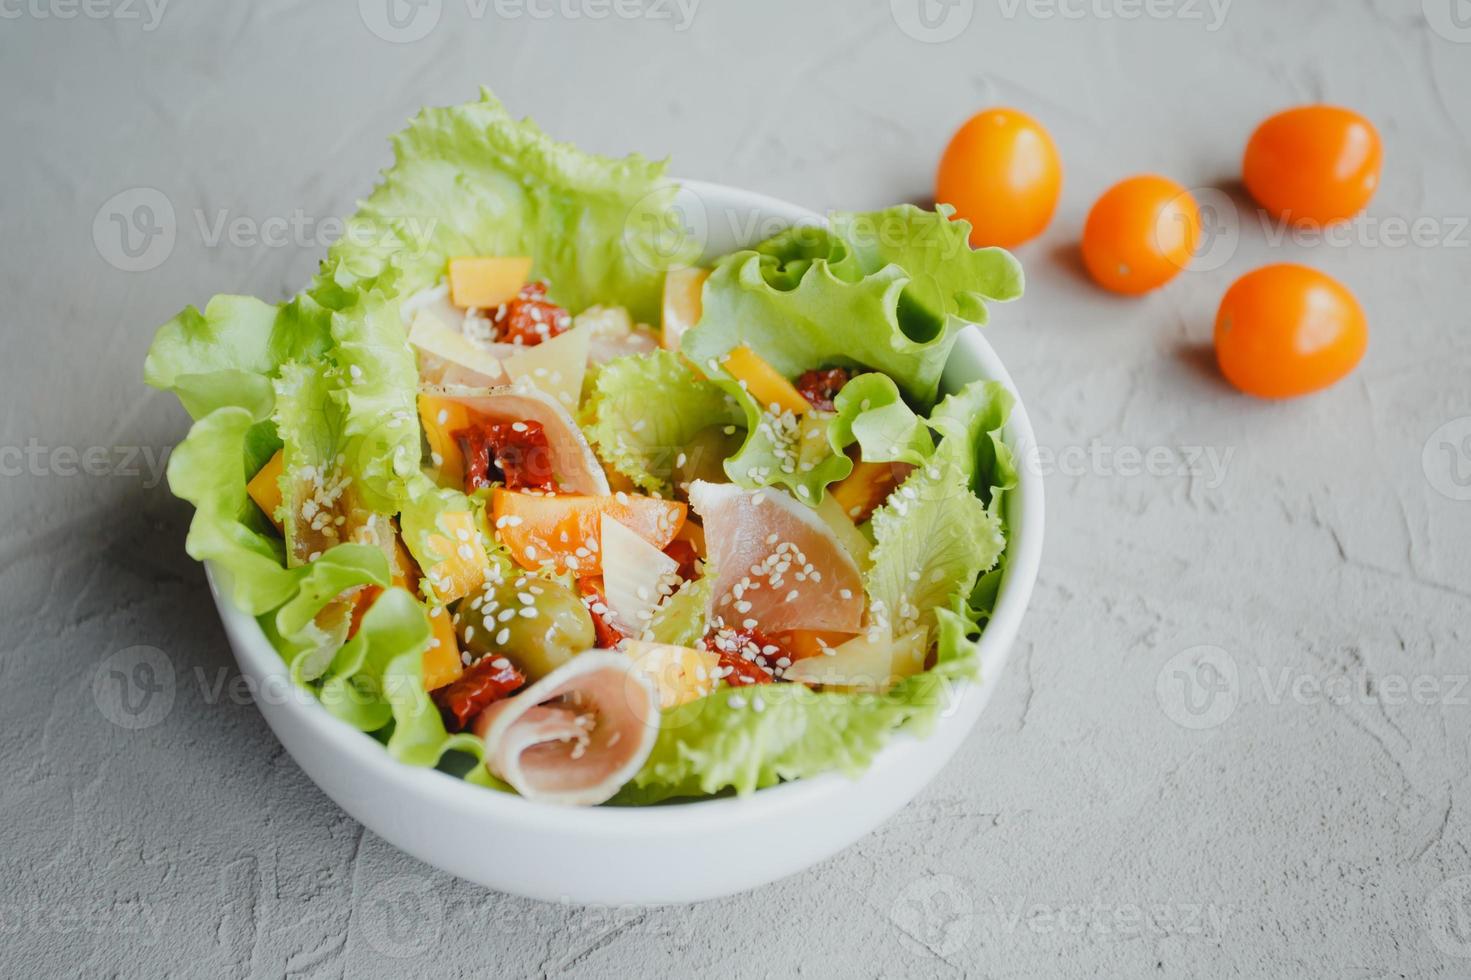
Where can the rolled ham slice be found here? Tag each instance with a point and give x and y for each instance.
(578, 734)
(574, 465)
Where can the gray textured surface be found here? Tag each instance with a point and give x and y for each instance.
(1312, 821)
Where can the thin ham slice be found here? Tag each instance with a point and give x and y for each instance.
(778, 565)
(578, 734)
(439, 371)
(603, 347)
(573, 463)
(612, 333)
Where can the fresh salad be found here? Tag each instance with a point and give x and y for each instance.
(538, 500)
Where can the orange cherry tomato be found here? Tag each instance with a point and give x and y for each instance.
(1140, 234)
(1002, 173)
(1313, 165)
(1286, 330)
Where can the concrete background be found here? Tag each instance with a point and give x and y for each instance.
(1233, 738)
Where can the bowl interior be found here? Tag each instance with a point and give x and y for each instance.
(728, 218)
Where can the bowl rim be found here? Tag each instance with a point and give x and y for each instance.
(1025, 522)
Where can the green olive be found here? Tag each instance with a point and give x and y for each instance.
(705, 455)
(537, 623)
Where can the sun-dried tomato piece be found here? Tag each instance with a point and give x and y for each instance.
(528, 319)
(749, 654)
(481, 685)
(684, 552)
(821, 387)
(516, 452)
(596, 602)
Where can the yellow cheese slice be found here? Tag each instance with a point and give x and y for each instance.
(555, 366)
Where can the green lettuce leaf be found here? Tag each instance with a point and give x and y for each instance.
(947, 276)
(646, 408)
(307, 627)
(682, 619)
(932, 538)
(749, 738)
(228, 354)
(419, 524)
(936, 534)
(376, 679)
(891, 299)
(797, 452)
(973, 417)
(871, 412)
(472, 180)
(377, 392)
(209, 469)
(970, 422)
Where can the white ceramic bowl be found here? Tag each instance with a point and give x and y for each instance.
(676, 852)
